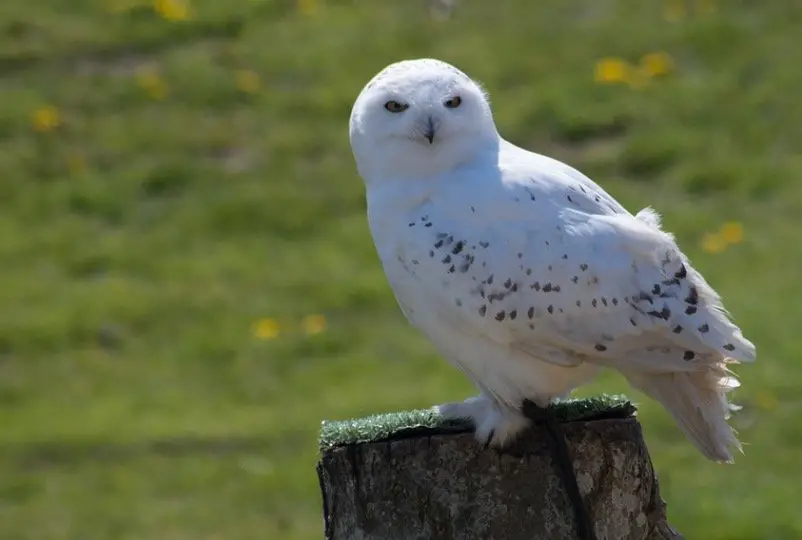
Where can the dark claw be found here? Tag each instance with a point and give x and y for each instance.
(489, 438)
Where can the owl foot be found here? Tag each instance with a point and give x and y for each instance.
(495, 426)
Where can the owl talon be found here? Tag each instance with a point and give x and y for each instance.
(487, 444)
(495, 426)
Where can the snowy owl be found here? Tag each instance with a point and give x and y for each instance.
(524, 273)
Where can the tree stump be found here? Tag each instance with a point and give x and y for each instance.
(412, 475)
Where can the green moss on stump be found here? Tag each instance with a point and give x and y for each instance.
(402, 424)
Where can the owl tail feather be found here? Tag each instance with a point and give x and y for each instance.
(698, 403)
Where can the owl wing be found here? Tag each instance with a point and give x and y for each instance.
(609, 288)
(624, 293)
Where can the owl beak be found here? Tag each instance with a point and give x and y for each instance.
(429, 131)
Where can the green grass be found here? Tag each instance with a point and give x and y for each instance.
(141, 240)
(409, 423)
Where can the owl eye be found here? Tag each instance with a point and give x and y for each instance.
(395, 107)
(453, 103)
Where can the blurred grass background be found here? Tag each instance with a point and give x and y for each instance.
(189, 287)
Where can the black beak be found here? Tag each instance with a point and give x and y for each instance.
(429, 132)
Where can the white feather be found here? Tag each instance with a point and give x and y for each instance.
(526, 274)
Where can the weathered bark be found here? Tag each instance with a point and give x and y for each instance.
(447, 487)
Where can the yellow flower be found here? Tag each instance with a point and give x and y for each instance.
(172, 10)
(657, 64)
(611, 70)
(308, 7)
(248, 81)
(732, 232)
(713, 243)
(153, 84)
(674, 10)
(266, 329)
(46, 119)
(314, 324)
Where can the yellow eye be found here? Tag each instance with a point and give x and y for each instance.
(453, 103)
(395, 107)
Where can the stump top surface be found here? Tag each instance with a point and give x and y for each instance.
(403, 424)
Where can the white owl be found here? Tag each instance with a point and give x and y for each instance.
(524, 273)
